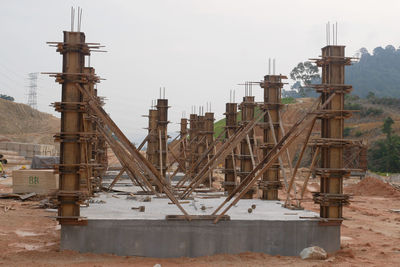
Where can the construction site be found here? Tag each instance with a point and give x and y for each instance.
(277, 184)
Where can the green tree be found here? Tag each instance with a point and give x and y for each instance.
(7, 97)
(387, 127)
(346, 131)
(304, 74)
(384, 155)
(375, 72)
(371, 95)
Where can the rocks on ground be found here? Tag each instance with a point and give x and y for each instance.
(313, 253)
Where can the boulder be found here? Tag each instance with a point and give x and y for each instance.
(313, 253)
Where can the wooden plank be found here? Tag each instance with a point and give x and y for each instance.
(313, 161)
(117, 178)
(298, 161)
(275, 142)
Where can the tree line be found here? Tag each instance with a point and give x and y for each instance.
(377, 72)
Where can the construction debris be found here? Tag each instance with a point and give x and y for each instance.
(17, 196)
(48, 204)
(140, 208)
(7, 207)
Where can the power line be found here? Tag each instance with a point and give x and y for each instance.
(13, 81)
(10, 70)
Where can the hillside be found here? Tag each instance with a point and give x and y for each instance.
(377, 72)
(366, 122)
(369, 114)
(21, 123)
(220, 124)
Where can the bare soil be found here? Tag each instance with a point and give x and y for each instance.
(21, 123)
(370, 237)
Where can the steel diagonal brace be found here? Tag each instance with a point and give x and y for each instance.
(116, 178)
(143, 142)
(200, 160)
(124, 157)
(267, 162)
(313, 162)
(291, 183)
(133, 152)
(188, 144)
(176, 159)
(132, 175)
(221, 154)
(275, 142)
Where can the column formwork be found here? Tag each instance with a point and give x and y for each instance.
(193, 140)
(162, 136)
(272, 85)
(183, 143)
(246, 156)
(331, 169)
(230, 161)
(73, 168)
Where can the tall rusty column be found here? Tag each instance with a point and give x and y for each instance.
(152, 142)
(230, 160)
(162, 137)
(209, 127)
(182, 147)
(201, 143)
(87, 145)
(193, 139)
(247, 145)
(71, 167)
(209, 133)
(100, 146)
(272, 86)
(331, 172)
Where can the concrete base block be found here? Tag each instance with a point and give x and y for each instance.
(165, 239)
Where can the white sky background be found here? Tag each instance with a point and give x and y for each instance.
(198, 50)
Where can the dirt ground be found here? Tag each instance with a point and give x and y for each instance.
(370, 237)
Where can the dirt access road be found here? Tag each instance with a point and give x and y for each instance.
(370, 237)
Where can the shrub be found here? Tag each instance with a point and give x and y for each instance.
(352, 106)
(346, 131)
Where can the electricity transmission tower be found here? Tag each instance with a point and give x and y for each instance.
(32, 94)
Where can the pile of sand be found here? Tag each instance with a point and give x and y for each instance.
(370, 186)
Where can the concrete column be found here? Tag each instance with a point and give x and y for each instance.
(87, 145)
(193, 138)
(73, 50)
(331, 171)
(201, 143)
(272, 85)
(100, 148)
(153, 135)
(182, 147)
(230, 160)
(209, 138)
(246, 165)
(162, 138)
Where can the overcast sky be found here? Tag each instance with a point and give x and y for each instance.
(198, 50)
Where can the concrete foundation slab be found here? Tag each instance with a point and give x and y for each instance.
(113, 227)
(164, 239)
